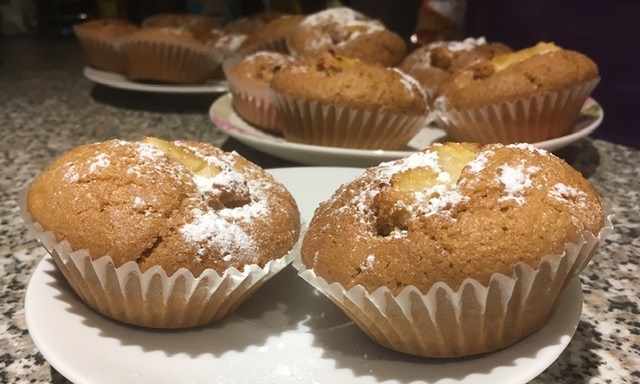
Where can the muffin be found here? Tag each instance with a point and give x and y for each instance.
(435, 63)
(530, 95)
(330, 100)
(457, 250)
(100, 40)
(162, 234)
(249, 78)
(197, 25)
(348, 33)
(169, 55)
(272, 36)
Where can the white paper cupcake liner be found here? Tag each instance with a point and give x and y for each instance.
(101, 53)
(152, 298)
(170, 62)
(316, 123)
(471, 320)
(531, 120)
(252, 99)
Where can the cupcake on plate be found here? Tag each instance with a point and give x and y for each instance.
(435, 63)
(162, 234)
(457, 250)
(169, 55)
(101, 40)
(331, 100)
(249, 78)
(348, 33)
(530, 95)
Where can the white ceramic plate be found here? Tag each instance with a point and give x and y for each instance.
(222, 115)
(286, 333)
(119, 81)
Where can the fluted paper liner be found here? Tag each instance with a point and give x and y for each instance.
(152, 298)
(475, 318)
(167, 61)
(100, 52)
(252, 99)
(546, 116)
(323, 124)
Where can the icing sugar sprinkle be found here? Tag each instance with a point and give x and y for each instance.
(516, 180)
(101, 161)
(368, 262)
(565, 193)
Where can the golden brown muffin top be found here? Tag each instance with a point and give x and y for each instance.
(452, 212)
(348, 33)
(520, 74)
(261, 66)
(173, 204)
(338, 80)
(109, 28)
(435, 63)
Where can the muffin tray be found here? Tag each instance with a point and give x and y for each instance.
(223, 116)
(115, 80)
(286, 333)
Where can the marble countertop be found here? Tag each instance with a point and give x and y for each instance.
(47, 107)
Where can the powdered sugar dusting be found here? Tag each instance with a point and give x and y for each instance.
(100, 161)
(412, 85)
(477, 165)
(208, 227)
(349, 23)
(568, 194)
(368, 262)
(516, 180)
(71, 175)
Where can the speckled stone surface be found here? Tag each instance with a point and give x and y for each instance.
(47, 107)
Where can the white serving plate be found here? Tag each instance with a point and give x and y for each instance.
(223, 116)
(116, 80)
(286, 333)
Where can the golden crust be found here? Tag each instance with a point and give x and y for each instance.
(412, 222)
(134, 202)
(534, 75)
(337, 80)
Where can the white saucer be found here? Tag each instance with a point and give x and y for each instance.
(286, 333)
(119, 81)
(222, 115)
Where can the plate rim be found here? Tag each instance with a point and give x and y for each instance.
(569, 312)
(116, 80)
(278, 147)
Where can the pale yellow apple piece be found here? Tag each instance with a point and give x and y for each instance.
(185, 156)
(501, 62)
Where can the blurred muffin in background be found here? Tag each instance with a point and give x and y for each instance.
(249, 79)
(331, 100)
(349, 34)
(169, 55)
(531, 95)
(101, 42)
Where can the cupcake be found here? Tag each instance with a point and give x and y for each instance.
(457, 250)
(169, 55)
(162, 234)
(530, 95)
(435, 63)
(330, 100)
(249, 78)
(100, 40)
(271, 36)
(348, 33)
